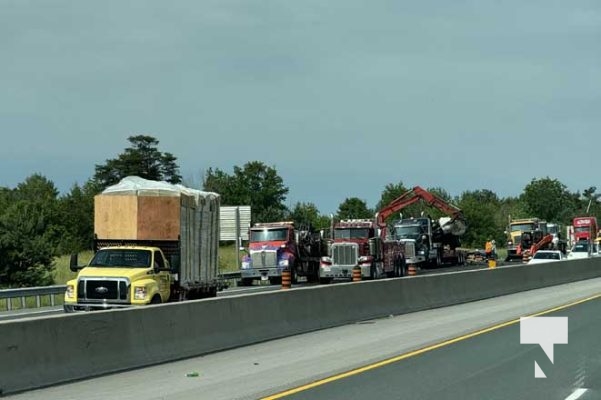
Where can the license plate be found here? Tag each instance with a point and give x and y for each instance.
(264, 277)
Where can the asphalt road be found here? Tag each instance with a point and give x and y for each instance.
(494, 366)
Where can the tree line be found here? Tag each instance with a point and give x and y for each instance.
(37, 223)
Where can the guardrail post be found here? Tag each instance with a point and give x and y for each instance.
(9, 304)
(38, 301)
(23, 304)
(52, 300)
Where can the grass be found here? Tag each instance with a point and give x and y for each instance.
(62, 273)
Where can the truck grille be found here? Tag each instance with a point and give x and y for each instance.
(344, 254)
(264, 259)
(409, 249)
(102, 289)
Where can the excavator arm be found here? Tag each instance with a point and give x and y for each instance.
(541, 244)
(414, 195)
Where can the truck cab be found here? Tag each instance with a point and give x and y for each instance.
(416, 235)
(349, 247)
(272, 247)
(585, 228)
(516, 229)
(118, 277)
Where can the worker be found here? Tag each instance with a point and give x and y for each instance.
(494, 249)
(488, 249)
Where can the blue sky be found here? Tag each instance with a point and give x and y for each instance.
(342, 97)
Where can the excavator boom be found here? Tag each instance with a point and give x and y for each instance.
(412, 196)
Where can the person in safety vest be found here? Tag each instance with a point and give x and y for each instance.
(488, 249)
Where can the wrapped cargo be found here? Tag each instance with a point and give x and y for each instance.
(183, 222)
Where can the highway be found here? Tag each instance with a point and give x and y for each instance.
(492, 365)
(235, 290)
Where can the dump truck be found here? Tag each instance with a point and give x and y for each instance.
(154, 242)
(516, 229)
(356, 242)
(428, 242)
(275, 246)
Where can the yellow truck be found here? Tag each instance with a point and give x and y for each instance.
(154, 242)
(516, 229)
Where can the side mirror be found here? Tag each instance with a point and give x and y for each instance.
(73, 263)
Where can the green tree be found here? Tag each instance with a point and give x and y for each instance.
(304, 214)
(254, 184)
(30, 232)
(480, 209)
(142, 159)
(549, 200)
(77, 216)
(354, 208)
(391, 191)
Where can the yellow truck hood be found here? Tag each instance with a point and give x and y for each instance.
(132, 274)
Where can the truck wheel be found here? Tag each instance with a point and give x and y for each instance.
(156, 299)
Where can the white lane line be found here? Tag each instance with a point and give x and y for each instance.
(577, 394)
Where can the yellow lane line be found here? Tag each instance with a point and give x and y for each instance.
(418, 352)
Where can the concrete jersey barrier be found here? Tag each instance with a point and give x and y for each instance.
(45, 351)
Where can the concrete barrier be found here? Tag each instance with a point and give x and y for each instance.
(45, 351)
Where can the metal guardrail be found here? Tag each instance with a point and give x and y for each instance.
(230, 275)
(37, 292)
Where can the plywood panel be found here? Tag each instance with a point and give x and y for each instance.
(115, 217)
(158, 218)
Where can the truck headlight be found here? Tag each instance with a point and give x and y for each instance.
(283, 263)
(70, 293)
(139, 293)
(421, 253)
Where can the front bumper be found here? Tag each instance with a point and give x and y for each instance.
(78, 307)
(261, 273)
(342, 271)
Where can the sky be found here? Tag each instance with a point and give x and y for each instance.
(341, 97)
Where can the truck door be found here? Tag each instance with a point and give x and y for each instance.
(163, 277)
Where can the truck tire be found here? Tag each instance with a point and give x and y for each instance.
(156, 299)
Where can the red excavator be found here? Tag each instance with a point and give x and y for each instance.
(427, 242)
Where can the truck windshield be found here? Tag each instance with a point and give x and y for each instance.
(580, 229)
(268, 235)
(522, 227)
(407, 231)
(351, 233)
(121, 258)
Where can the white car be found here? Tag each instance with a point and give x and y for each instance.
(543, 256)
(580, 250)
